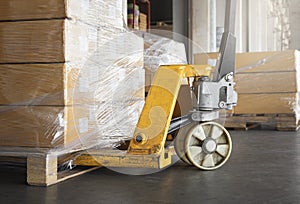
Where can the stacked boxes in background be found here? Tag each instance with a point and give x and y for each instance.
(133, 14)
(143, 22)
(266, 82)
(62, 64)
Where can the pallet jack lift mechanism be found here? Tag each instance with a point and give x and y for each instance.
(199, 141)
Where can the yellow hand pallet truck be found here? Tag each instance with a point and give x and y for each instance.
(199, 141)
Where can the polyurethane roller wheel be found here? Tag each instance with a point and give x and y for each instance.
(179, 143)
(207, 145)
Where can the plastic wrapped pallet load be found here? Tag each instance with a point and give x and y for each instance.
(55, 92)
(267, 84)
(62, 70)
(71, 78)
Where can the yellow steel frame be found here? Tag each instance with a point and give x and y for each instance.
(153, 125)
(156, 116)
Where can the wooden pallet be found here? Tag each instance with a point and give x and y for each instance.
(282, 122)
(42, 164)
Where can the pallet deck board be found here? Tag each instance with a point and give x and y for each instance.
(282, 122)
(42, 164)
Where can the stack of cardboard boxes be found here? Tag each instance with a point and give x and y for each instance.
(133, 13)
(267, 83)
(62, 66)
(143, 22)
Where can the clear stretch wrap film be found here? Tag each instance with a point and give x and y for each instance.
(71, 77)
(266, 82)
(162, 51)
(97, 98)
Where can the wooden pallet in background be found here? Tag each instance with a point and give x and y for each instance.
(43, 165)
(282, 122)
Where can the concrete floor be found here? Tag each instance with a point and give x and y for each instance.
(264, 168)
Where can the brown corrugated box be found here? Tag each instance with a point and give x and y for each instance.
(273, 103)
(46, 41)
(254, 62)
(97, 59)
(90, 11)
(40, 126)
(32, 9)
(60, 126)
(50, 41)
(262, 72)
(65, 84)
(266, 82)
(45, 51)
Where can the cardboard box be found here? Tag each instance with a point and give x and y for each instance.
(283, 103)
(269, 82)
(93, 12)
(257, 62)
(41, 126)
(58, 41)
(263, 72)
(46, 41)
(68, 126)
(67, 84)
(266, 82)
(108, 63)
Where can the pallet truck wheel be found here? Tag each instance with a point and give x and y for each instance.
(208, 145)
(179, 143)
